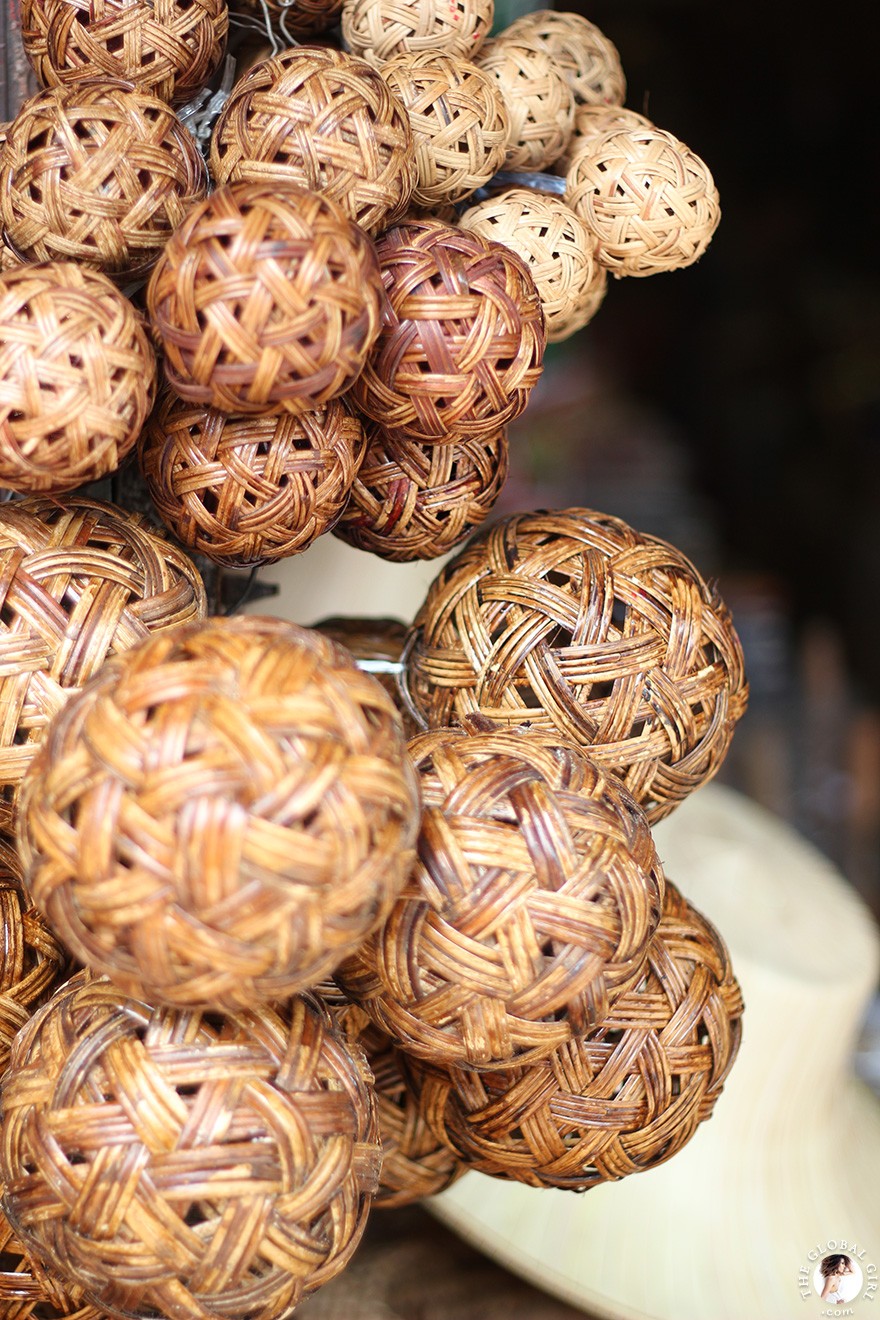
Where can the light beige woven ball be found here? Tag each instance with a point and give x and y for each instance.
(589, 60)
(539, 100)
(378, 29)
(590, 122)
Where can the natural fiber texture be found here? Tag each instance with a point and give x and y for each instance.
(622, 1100)
(590, 123)
(249, 490)
(222, 814)
(379, 29)
(198, 1166)
(570, 620)
(323, 119)
(414, 501)
(266, 299)
(379, 643)
(530, 908)
(538, 98)
(28, 1292)
(649, 200)
(459, 123)
(79, 581)
(462, 339)
(305, 18)
(77, 377)
(98, 174)
(170, 48)
(555, 245)
(589, 62)
(32, 962)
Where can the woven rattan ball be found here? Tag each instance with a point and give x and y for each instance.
(77, 377)
(459, 121)
(170, 48)
(556, 246)
(28, 1292)
(571, 620)
(589, 61)
(249, 490)
(32, 961)
(222, 814)
(323, 119)
(538, 98)
(462, 340)
(649, 200)
(621, 1100)
(379, 29)
(590, 123)
(265, 300)
(210, 1166)
(98, 174)
(303, 19)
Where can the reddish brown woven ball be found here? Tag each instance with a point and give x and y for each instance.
(589, 62)
(77, 377)
(170, 48)
(379, 29)
(325, 120)
(538, 97)
(32, 961)
(211, 1166)
(249, 490)
(222, 814)
(98, 174)
(462, 339)
(571, 620)
(266, 299)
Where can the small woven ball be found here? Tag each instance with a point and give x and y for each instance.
(621, 1100)
(415, 501)
(32, 961)
(222, 814)
(555, 245)
(77, 377)
(538, 98)
(590, 123)
(589, 62)
(379, 29)
(570, 620)
(459, 122)
(377, 645)
(28, 1292)
(650, 201)
(98, 174)
(265, 300)
(304, 19)
(323, 119)
(462, 338)
(211, 1166)
(170, 48)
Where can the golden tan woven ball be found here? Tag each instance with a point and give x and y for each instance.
(589, 61)
(28, 1292)
(77, 377)
(222, 814)
(649, 200)
(538, 98)
(379, 29)
(323, 119)
(590, 123)
(266, 300)
(99, 174)
(571, 620)
(32, 961)
(211, 1166)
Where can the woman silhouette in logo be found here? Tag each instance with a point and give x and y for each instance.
(834, 1269)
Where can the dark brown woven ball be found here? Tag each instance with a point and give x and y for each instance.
(77, 377)
(211, 1166)
(32, 961)
(266, 299)
(323, 119)
(99, 174)
(571, 620)
(462, 340)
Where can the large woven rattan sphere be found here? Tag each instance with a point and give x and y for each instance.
(249, 490)
(459, 121)
(462, 340)
(265, 300)
(539, 101)
(98, 174)
(589, 61)
(77, 377)
(379, 29)
(323, 119)
(649, 200)
(79, 581)
(556, 246)
(590, 123)
(573, 621)
(211, 1166)
(171, 48)
(222, 814)
(621, 1100)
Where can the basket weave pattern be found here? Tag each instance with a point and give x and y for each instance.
(589, 62)
(306, 18)
(591, 122)
(539, 101)
(33, 961)
(28, 1292)
(379, 29)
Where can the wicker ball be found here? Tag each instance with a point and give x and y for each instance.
(249, 490)
(211, 1166)
(170, 48)
(621, 1100)
(325, 120)
(589, 62)
(98, 174)
(32, 962)
(77, 377)
(539, 101)
(266, 299)
(555, 245)
(221, 815)
(28, 1292)
(590, 123)
(302, 19)
(415, 501)
(377, 645)
(379, 29)
(649, 200)
(462, 339)
(459, 122)
(570, 620)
